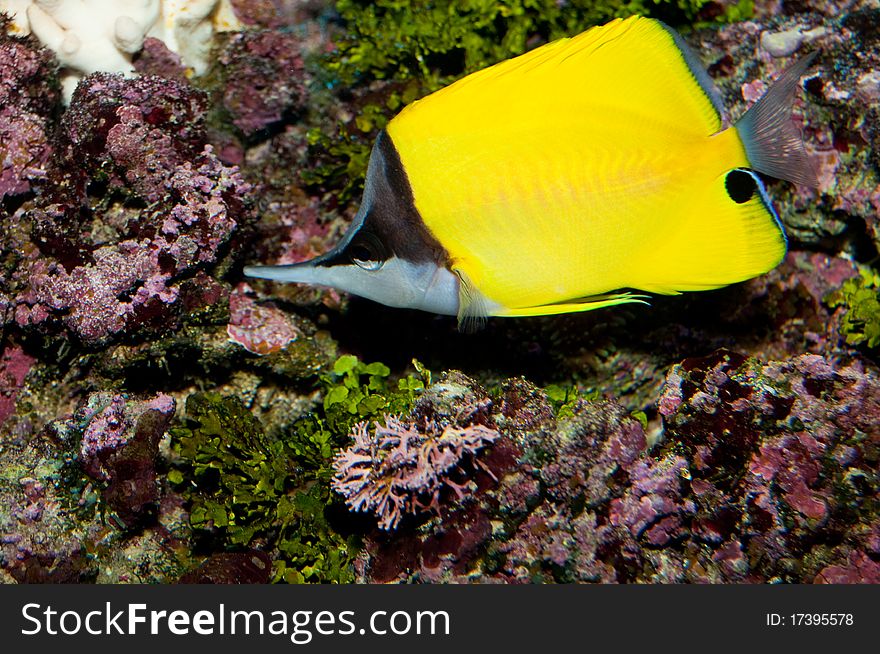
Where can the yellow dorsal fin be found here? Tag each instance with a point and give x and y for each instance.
(637, 64)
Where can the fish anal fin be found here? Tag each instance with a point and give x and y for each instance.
(582, 304)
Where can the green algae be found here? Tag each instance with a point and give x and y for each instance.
(436, 42)
(248, 488)
(356, 391)
(860, 299)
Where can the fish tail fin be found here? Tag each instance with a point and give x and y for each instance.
(774, 145)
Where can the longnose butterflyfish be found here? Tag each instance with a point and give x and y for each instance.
(573, 177)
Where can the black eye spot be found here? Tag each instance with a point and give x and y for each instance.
(367, 252)
(740, 185)
(360, 252)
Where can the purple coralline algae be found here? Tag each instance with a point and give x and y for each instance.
(264, 81)
(170, 208)
(766, 472)
(259, 328)
(274, 13)
(401, 469)
(14, 367)
(719, 437)
(156, 59)
(29, 92)
(50, 522)
(119, 447)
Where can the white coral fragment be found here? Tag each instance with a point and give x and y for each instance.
(89, 36)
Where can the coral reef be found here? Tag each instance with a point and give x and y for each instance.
(59, 484)
(28, 94)
(119, 447)
(162, 419)
(251, 58)
(767, 472)
(14, 367)
(174, 208)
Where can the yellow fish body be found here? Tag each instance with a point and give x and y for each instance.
(555, 181)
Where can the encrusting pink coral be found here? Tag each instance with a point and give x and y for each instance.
(172, 210)
(402, 470)
(258, 328)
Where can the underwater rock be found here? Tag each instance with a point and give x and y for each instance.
(767, 472)
(259, 328)
(28, 94)
(14, 367)
(263, 78)
(121, 233)
(251, 567)
(859, 569)
(156, 59)
(46, 517)
(101, 36)
(71, 493)
(118, 448)
(277, 13)
(169, 209)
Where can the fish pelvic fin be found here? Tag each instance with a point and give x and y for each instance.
(773, 144)
(581, 304)
(473, 307)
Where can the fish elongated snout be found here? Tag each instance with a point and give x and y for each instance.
(396, 282)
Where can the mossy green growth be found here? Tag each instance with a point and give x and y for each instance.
(227, 455)
(247, 488)
(437, 41)
(353, 391)
(860, 296)
(341, 160)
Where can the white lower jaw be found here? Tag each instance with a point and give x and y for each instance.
(441, 293)
(398, 283)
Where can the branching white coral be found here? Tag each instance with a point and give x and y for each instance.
(187, 27)
(89, 36)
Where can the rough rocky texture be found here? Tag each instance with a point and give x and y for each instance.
(726, 436)
(72, 492)
(108, 254)
(767, 472)
(29, 93)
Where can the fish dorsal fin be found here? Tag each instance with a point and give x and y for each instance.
(636, 65)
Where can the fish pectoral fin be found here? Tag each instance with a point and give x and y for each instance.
(581, 304)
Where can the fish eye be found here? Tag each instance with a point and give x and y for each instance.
(366, 253)
(740, 185)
